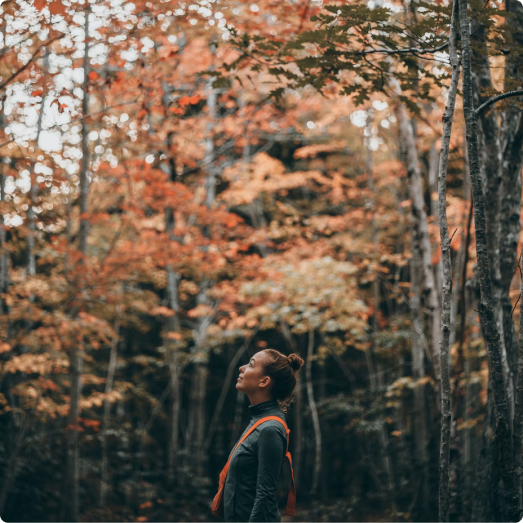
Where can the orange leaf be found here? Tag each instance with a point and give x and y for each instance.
(39, 4)
(200, 310)
(176, 110)
(91, 423)
(193, 100)
(147, 504)
(161, 311)
(57, 8)
(174, 336)
(4, 347)
(93, 75)
(142, 113)
(184, 100)
(38, 92)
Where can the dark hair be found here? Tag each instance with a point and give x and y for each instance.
(282, 371)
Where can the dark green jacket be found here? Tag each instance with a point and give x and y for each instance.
(250, 488)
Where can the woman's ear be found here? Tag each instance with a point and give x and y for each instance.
(265, 381)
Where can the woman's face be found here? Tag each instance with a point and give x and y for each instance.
(252, 378)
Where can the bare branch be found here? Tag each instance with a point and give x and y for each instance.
(482, 108)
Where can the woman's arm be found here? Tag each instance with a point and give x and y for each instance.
(271, 448)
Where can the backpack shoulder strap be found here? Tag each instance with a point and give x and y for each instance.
(291, 499)
(259, 422)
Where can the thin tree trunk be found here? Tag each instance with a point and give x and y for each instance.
(446, 407)
(75, 357)
(374, 377)
(421, 231)
(298, 408)
(512, 146)
(314, 414)
(419, 420)
(518, 418)
(104, 480)
(486, 309)
(433, 173)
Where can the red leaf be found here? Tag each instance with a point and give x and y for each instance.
(142, 113)
(93, 75)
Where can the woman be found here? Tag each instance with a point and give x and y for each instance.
(249, 493)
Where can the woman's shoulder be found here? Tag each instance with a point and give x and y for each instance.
(272, 427)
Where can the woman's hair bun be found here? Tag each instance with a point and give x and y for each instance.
(295, 362)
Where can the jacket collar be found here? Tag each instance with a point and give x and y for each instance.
(265, 408)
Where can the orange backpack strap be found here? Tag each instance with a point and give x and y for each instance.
(217, 505)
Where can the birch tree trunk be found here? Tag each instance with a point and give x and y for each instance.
(314, 415)
(446, 407)
(486, 306)
(420, 229)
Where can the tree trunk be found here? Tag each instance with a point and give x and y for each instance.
(518, 418)
(420, 229)
(486, 306)
(104, 483)
(75, 356)
(419, 420)
(446, 407)
(512, 147)
(314, 415)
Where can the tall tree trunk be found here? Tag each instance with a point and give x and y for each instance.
(419, 419)
(104, 480)
(314, 415)
(75, 356)
(375, 378)
(420, 228)
(298, 407)
(518, 418)
(486, 306)
(172, 331)
(491, 174)
(512, 147)
(200, 367)
(446, 407)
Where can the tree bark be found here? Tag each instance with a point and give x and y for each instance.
(420, 229)
(518, 418)
(446, 407)
(314, 415)
(75, 357)
(104, 480)
(486, 307)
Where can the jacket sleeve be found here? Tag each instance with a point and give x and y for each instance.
(271, 448)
